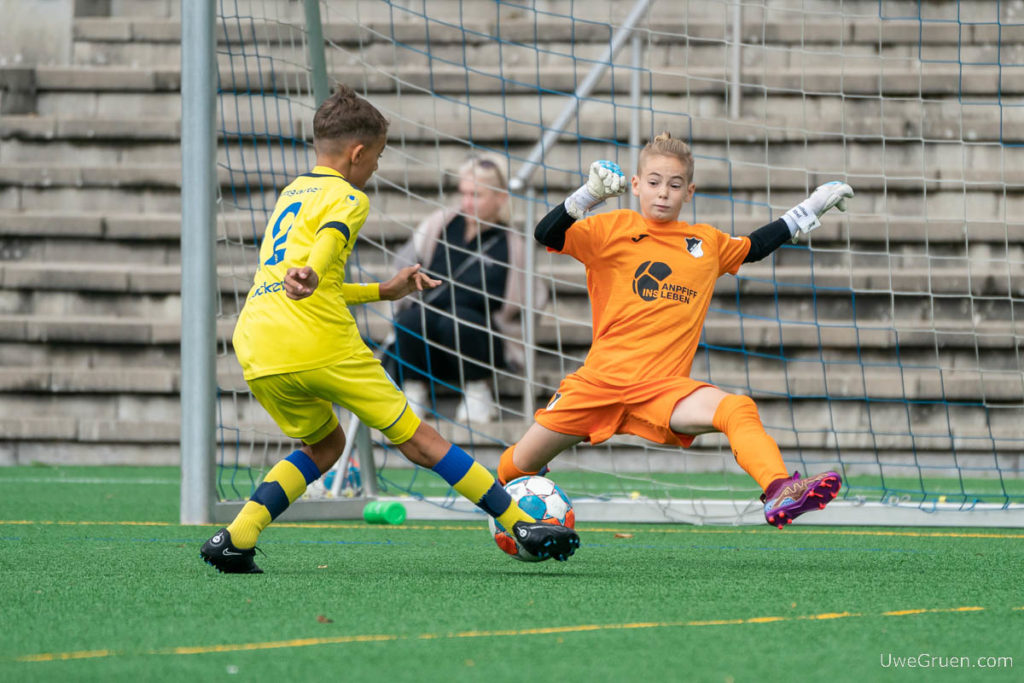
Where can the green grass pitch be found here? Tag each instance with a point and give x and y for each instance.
(100, 583)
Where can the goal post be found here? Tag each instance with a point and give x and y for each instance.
(198, 270)
(887, 346)
(202, 500)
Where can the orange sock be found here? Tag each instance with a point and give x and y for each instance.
(507, 470)
(755, 451)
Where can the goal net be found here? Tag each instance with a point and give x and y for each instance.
(886, 346)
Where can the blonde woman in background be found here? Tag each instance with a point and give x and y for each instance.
(456, 335)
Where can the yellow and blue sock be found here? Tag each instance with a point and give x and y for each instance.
(472, 480)
(284, 483)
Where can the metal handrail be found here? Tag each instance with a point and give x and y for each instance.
(520, 180)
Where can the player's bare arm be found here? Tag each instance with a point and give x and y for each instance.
(405, 282)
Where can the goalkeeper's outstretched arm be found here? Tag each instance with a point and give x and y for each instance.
(803, 217)
(605, 180)
(550, 231)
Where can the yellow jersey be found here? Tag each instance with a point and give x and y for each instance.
(315, 222)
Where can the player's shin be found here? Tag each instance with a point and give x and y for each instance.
(473, 481)
(286, 481)
(755, 451)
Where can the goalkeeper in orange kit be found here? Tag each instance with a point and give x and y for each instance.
(650, 278)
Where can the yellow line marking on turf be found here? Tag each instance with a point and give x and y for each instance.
(84, 654)
(502, 633)
(831, 615)
(764, 620)
(903, 613)
(474, 528)
(296, 642)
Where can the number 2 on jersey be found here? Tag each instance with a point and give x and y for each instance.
(279, 235)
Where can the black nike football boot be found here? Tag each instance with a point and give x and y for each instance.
(221, 553)
(545, 540)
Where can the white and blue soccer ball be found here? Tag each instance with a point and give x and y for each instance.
(543, 500)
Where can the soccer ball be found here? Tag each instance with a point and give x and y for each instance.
(540, 498)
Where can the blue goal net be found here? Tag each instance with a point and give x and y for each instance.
(884, 345)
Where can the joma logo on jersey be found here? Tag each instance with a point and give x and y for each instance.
(649, 284)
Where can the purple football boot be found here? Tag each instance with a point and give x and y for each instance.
(787, 499)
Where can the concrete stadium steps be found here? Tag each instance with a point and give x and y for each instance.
(598, 10)
(475, 27)
(81, 345)
(915, 135)
(151, 93)
(768, 381)
(921, 343)
(150, 238)
(873, 297)
(76, 356)
(90, 224)
(154, 41)
(623, 458)
(871, 232)
(736, 345)
(48, 234)
(740, 163)
(979, 359)
(913, 374)
(150, 40)
(147, 116)
(155, 188)
(109, 435)
(921, 79)
(155, 440)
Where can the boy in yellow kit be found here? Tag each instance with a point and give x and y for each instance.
(300, 349)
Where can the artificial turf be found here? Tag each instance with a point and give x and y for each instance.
(100, 582)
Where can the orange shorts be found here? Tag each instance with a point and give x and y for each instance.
(598, 411)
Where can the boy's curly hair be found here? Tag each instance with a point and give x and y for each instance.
(343, 117)
(666, 145)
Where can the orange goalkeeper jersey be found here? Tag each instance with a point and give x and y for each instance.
(650, 287)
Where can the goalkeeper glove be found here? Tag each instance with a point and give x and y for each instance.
(804, 216)
(606, 180)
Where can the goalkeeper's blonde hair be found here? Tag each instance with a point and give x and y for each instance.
(666, 145)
